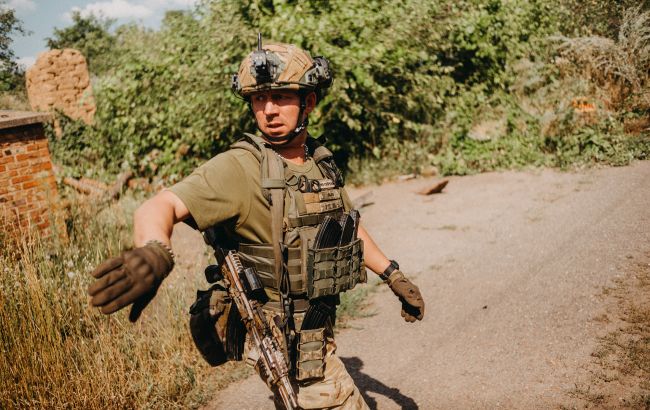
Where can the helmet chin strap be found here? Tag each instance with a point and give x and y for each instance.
(287, 138)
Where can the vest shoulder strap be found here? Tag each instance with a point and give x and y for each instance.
(257, 146)
(320, 152)
(273, 185)
(251, 144)
(325, 161)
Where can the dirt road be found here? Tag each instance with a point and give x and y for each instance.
(510, 265)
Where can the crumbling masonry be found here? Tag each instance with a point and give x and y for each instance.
(59, 80)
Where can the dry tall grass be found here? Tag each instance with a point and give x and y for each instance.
(57, 352)
(622, 65)
(14, 101)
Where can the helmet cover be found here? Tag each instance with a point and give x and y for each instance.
(278, 66)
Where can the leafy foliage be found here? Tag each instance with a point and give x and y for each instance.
(621, 64)
(10, 72)
(91, 36)
(596, 17)
(414, 81)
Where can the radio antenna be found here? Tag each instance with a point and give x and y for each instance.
(259, 41)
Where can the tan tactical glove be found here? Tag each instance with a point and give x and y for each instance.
(133, 277)
(408, 294)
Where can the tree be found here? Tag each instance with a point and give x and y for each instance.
(90, 35)
(10, 73)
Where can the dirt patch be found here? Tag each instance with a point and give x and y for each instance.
(620, 371)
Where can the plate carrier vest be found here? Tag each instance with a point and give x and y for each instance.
(298, 208)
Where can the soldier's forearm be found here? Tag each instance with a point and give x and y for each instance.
(373, 256)
(156, 217)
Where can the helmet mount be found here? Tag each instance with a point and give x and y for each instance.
(260, 67)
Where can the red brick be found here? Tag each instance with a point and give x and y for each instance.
(23, 178)
(2, 168)
(12, 173)
(23, 157)
(7, 159)
(29, 184)
(41, 166)
(22, 210)
(32, 147)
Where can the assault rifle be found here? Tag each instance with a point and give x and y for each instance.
(241, 284)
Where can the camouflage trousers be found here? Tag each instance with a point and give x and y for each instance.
(336, 390)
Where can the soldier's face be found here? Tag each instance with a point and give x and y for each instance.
(276, 111)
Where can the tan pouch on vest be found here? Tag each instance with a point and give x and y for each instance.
(310, 356)
(331, 271)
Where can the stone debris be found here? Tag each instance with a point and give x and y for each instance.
(406, 177)
(99, 189)
(435, 188)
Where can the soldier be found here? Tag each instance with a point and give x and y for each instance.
(278, 199)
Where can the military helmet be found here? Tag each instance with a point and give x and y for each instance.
(278, 66)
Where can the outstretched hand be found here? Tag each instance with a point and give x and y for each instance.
(408, 294)
(132, 278)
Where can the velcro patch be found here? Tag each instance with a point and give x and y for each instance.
(327, 195)
(320, 207)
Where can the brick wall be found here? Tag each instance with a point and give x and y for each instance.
(59, 80)
(28, 193)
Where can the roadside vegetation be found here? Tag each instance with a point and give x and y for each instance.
(58, 352)
(620, 371)
(455, 86)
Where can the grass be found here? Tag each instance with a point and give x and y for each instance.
(58, 352)
(620, 372)
(14, 101)
(354, 305)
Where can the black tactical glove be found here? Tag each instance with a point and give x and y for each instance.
(133, 277)
(408, 294)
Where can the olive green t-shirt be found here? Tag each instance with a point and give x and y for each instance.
(227, 190)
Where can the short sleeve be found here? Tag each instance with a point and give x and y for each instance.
(215, 192)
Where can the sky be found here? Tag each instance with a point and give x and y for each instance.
(40, 17)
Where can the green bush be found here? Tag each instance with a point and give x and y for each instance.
(413, 79)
